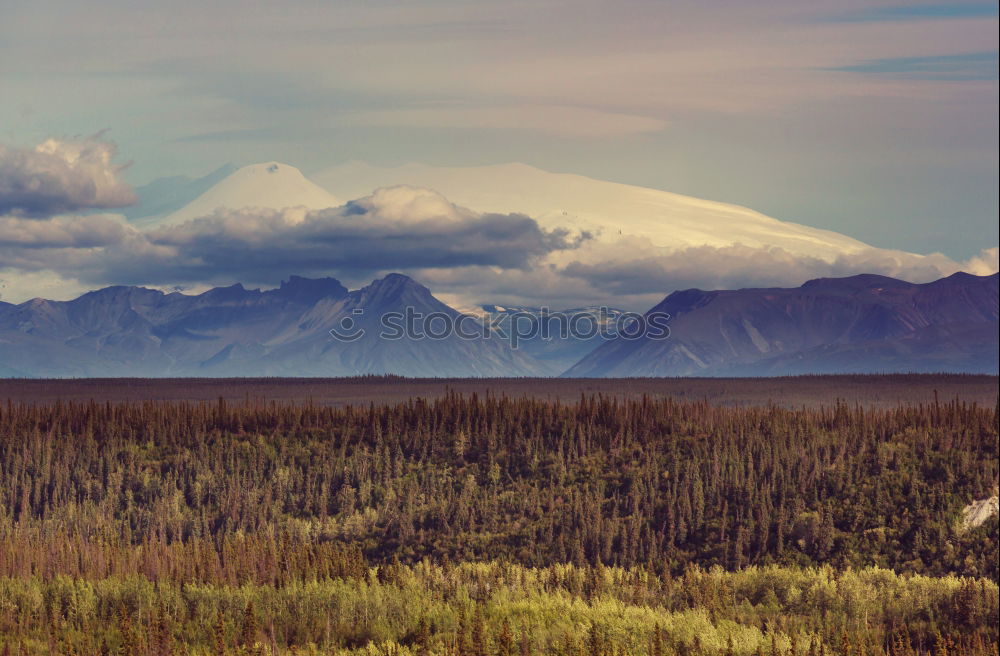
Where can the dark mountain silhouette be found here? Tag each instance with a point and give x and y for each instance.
(864, 323)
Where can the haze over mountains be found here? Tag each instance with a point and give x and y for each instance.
(859, 324)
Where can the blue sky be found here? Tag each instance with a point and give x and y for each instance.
(974, 66)
(874, 119)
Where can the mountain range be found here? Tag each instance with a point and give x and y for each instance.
(234, 331)
(858, 324)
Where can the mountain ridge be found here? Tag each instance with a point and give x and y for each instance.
(857, 324)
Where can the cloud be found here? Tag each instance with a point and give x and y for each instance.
(59, 176)
(17, 285)
(394, 228)
(92, 231)
(984, 264)
(633, 274)
(729, 267)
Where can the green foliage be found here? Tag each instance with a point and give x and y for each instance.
(426, 608)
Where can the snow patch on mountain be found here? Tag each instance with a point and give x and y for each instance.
(269, 185)
(607, 210)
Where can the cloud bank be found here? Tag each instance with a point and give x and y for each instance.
(394, 228)
(737, 266)
(632, 274)
(60, 176)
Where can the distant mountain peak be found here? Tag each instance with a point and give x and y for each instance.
(267, 185)
(310, 290)
(859, 281)
(964, 275)
(394, 288)
(394, 280)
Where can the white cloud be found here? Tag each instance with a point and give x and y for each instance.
(633, 274)
(89, 231)
(984, 264)
(17, 285)
(61, 175)
(407, 204)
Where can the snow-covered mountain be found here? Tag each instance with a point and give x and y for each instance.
(608, 210)
(269, 185)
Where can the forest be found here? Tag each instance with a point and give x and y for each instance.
(489, 525)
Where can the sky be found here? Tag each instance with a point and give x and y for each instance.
(871, 118)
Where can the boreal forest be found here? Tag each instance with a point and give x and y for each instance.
(497, 526)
